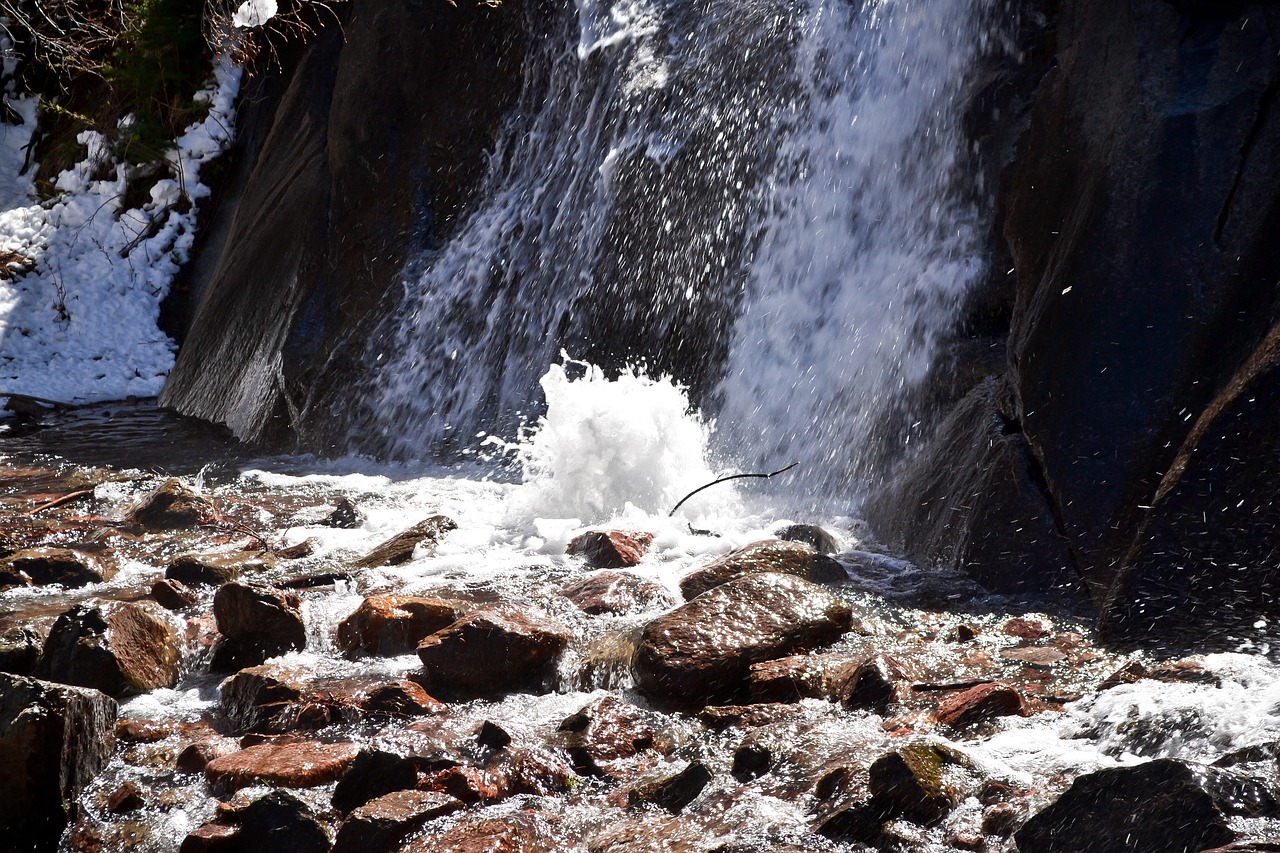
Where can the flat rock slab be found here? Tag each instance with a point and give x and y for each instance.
(379, 826)
(65, 566)
(394, 624)
(701, 653)
(399, 548)
(290, 764)
(772, 555)
(491, 650)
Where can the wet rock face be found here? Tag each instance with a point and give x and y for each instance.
(702, 652)
(215, 569)
(20, 650)
(399, 548)
(257, 623)
(616, 593)
(386, 170)
(380, 825)
(53, 740)
(1151, 808)
(171, 506)
(287, 763)
(119, 647)
(394, 624)
(491, 650)
(781, 556)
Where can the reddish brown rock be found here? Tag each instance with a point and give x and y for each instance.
(53, 740)
(298, 550)
(721, 717)
(612, 592)
(533, 770)
(144, 731)
(796, 677)
(212, 837)
(194, 757)
(876, 684)
(124, 799)
(1025, 629)
(288, 763)
(380, 825)
(1043, 657)
(605, 733)
(611, 549)
(257, 623)
(119, 647)
(492, 650)
(401, 699)
(980, 703)
(171, 506)
(394, 624)
(702, 652)
(772, 555)
(64, 566)
(173, 595)
(399, 548)
(468, 784)
(256, 694)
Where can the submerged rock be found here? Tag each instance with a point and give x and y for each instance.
(492, 650)
(616, 593)
(53, 740)
(119, 647)
(812, 535)
(702, 652)
(257, 623)
(64, 566)
(171, 506)
(1151, 808)
(604, 734)
(789, 558)
(217, 568)
(610, 549)
(394, 624)
(399, 548)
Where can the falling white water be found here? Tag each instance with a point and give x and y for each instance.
(757, 191)
(869, 244)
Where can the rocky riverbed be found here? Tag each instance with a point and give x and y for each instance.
(282, 654)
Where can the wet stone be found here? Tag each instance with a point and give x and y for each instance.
(292, 764)
(194, 757)
(522, 832)
(616, 593)
(774, 555)
(1042, 657)
(671, 791)
(702, 652)
(1025, 629)
(373, 774)
(399, 699)
(468, 784)
(492, 736)
(399, 548)
(345, 515)
(257, 623)
(173, 595)
(119, 647)
(876, 684)
(797, 677)
(212, 837)
(20, 650)
(610, 549)
(979, 704)
(124, 799)
(217, 568)
(297, 551)
(718, 718)
(280, 822)
(812, 535)
(908, 782)
(63, 566)
(379, 825)
(394, 624)
(492, 650)
(604, 734)
(751, 761)
(1154, 807)
(1002, 819)
(171, 506)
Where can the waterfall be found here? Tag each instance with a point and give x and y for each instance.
(755, 198)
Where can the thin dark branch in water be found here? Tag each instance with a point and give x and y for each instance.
(67, 498)
(726, 479)
(950, 685)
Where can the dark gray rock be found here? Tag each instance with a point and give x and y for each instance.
(119, 647)
(257, 623)
(20, 650)
(53, 740)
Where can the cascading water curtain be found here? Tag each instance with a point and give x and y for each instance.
(757, 191)
(870, 242)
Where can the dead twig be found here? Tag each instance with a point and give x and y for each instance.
(726, 479)
(59, 501)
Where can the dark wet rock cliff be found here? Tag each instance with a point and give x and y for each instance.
(1130, 439)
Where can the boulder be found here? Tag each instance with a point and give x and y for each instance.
(394, 624)
(671, 790)
(173, 595)
(616, 593)
(280, 821)
(374, 773)
(256, 694)
(910, 782)
(774, 555)
(216, 568)
(285, 763)
(610, 549)
(379, 825)
(119, 647)
(399, 548)
(601, 736)
(212, 837)
(257, 623)
(345, 515)
(53, 740)
(812, 676)
(876, 684)
(812, 535)
(702, 652)
(492, 650)
(1149, 808)
(399, 699)
(64, 566)
(170, 506)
